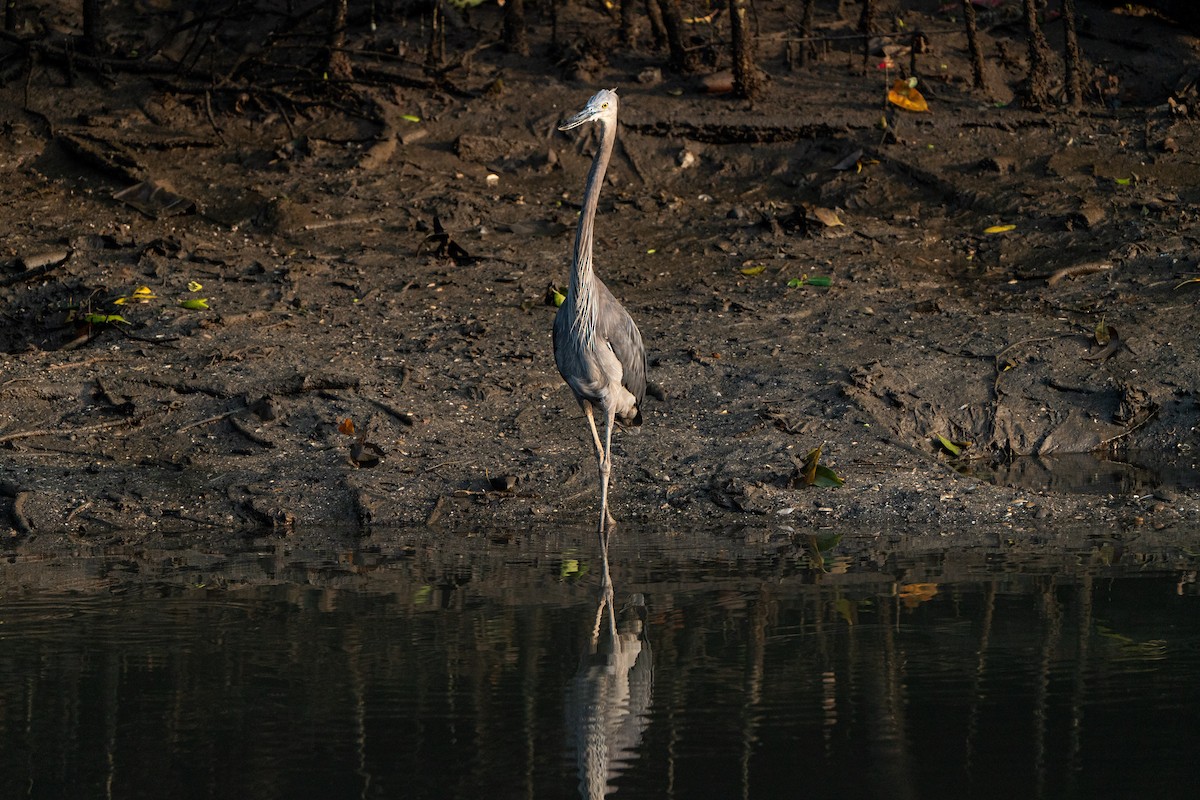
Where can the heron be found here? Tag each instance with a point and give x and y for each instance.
(597, 345)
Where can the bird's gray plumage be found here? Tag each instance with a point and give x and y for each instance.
(597, 345)
(583, 365)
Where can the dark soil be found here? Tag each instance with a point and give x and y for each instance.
(306, 212)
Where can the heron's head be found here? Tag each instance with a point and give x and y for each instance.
(603, 105)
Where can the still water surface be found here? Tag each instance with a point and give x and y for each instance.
(492, 668)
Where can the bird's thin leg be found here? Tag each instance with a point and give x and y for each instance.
(603, 460)
(587, 411)
(605, 469)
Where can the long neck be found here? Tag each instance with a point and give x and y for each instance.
(581, 266)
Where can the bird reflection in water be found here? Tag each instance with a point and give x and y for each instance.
(608, 700)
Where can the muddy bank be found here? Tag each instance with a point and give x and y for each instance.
(328, 295)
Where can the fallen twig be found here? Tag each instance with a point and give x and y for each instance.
(37, 267)
(1074, 272)
(84, 363)
(212, 120)
(209, 420)
(9, 437)
(329, 223)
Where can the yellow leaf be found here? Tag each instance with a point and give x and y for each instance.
(142, 294)
(757, 270)
(827, 216)
(193, 286)
(195, 304)
(906, 97)
(999, 229)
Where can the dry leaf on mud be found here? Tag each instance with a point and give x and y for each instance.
(1110, 345)
(812, 473)
(155, 199)
(849, 161)
(827, 216)
(365, 454)
(904, 95)
(444, 246)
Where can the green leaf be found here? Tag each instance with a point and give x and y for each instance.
(557, 297)
(950, 446)
(410, 118)
(194, 304)
(824, 476)
(1124, 181)
(810, 280)
(104, 319)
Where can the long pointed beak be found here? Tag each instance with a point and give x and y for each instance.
(577, 120)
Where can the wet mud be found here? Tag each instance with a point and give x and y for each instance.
(338, 318)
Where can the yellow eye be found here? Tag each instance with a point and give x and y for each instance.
(604, 105)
